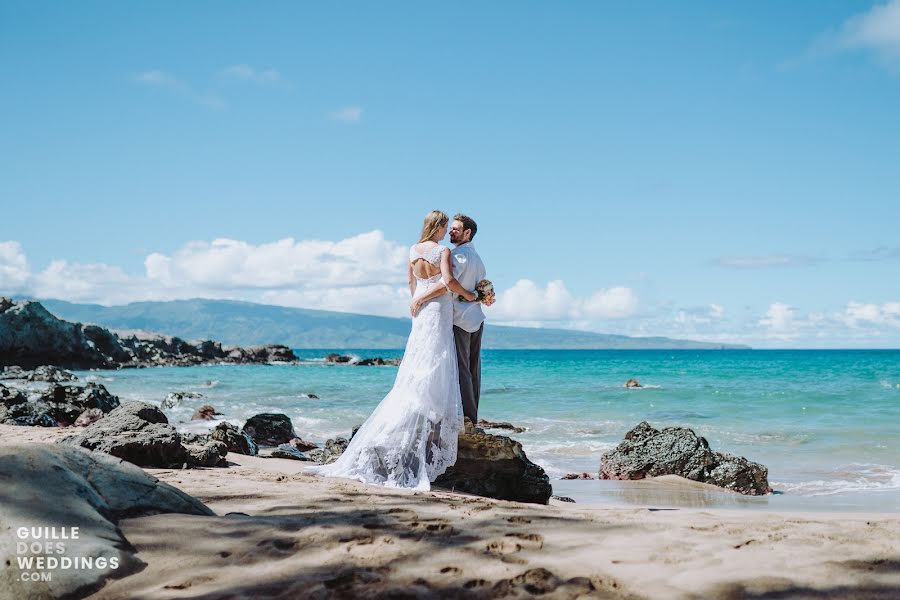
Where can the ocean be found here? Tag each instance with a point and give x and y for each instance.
(826, 423)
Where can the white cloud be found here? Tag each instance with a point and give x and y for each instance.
(877, 29)
(244, 72)
(614, 303)
(14, 270)
(858, 314)
(363, 273)
(780, 322)
(83, 282)
(364, 259)
(348, 114)
(367, 274)
(527, 302)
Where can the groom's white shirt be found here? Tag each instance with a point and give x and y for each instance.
(468, 270)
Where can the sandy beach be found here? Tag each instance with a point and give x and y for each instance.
(280, 533)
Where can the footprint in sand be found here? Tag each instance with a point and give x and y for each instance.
(436, 527)
(536, 538)
(278, 544)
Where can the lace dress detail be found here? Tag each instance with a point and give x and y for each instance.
(411, 436)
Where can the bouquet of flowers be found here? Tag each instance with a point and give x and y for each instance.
(485, 292)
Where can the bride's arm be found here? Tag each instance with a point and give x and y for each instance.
(449, 282)
(412, 281)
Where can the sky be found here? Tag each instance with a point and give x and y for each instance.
(726, 172)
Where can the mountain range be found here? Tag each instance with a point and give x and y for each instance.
(247, 323)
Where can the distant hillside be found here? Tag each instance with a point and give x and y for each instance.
(246, 323)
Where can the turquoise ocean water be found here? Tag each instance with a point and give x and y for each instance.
(826, 423)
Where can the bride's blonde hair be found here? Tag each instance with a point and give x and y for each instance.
(433, 221)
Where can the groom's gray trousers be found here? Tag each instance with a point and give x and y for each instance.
(468, 358)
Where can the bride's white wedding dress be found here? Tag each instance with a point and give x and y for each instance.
(411, 437)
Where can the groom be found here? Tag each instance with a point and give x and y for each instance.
(468, 318)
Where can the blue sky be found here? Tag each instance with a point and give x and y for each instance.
(705, 170)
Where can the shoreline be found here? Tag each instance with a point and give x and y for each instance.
(296, 535)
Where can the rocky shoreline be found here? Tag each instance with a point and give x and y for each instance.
(31, 337)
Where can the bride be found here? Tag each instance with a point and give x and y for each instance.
(411, 437)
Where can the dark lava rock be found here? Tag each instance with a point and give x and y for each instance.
(337, 358)
(288, 451)
(14, 371)
(59, 406)
(499, 425)
(195, 438)
(212, 454)
(633, 383)
(50, 374)
(270, 429)
(562, 498)
(11, 396)
(302, 445)
(378, 362)
(495, 467)
(136, 432)
(330, 453)
(236, 440)
(577, 476)
(648, 452)
(67, 402)
(91, 415)
(30, 336)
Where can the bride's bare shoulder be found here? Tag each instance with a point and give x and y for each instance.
(424, 246)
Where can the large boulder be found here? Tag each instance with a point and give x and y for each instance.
(137, 432)
(211, 454)
(648, 452)
(59, 405)
(15, 409)
(270, 429)
(67, 402)
(496, 467)
(11, 396)
(30, 336)
(60, 487)
(236, 440)
(269, 353)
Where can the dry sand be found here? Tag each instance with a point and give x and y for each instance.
(288, 535)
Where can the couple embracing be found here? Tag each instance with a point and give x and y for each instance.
(411, 436)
